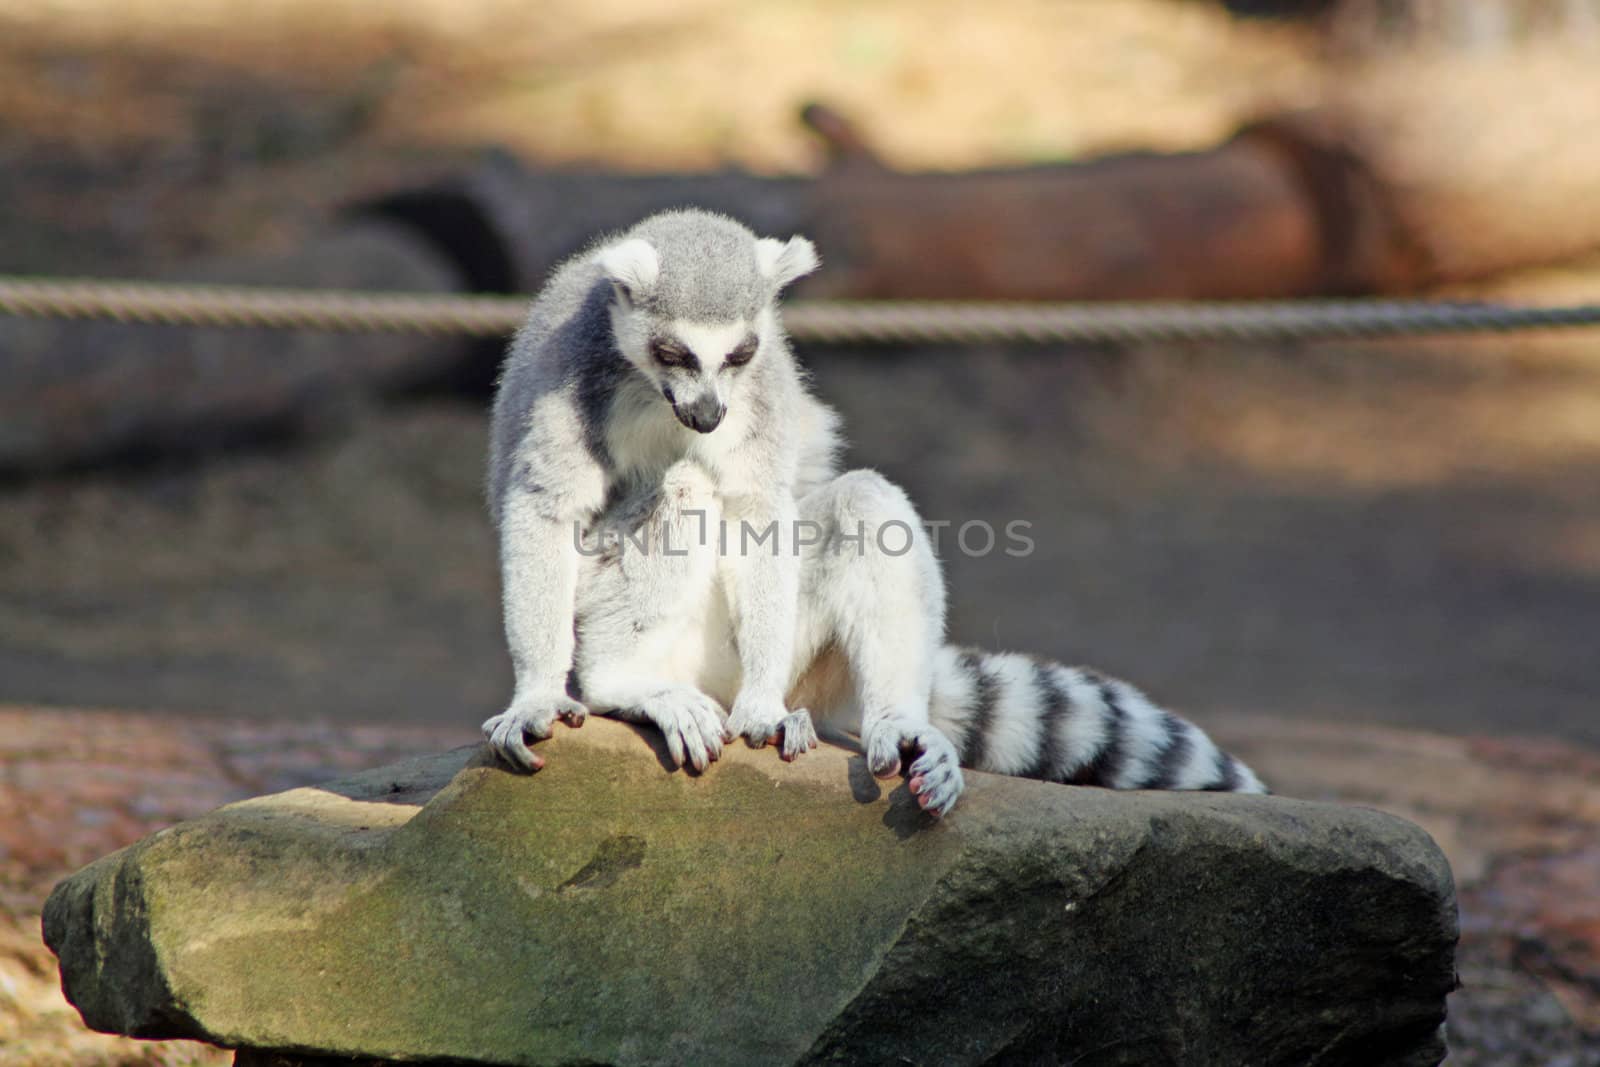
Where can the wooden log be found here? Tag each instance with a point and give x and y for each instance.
(506, 226)
(1347, 200)
(1269, 213)
(1246, 219)
(1277, 211)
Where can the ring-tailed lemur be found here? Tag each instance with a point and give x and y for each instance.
(676, 539)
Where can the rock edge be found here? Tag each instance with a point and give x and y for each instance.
(605, 911)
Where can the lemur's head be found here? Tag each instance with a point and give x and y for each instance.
(694, 304)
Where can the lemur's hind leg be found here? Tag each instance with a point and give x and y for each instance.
(649, 633)
(872, 591)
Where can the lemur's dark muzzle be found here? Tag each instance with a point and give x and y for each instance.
(702, 416)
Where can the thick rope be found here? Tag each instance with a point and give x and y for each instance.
(861, 322)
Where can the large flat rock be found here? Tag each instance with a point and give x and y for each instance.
(607, 911)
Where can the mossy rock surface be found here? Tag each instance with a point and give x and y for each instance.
(608, 911)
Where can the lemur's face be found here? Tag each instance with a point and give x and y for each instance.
(692, 306)
(695, 365)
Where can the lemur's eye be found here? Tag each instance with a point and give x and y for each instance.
(743, 354)
(672, 354)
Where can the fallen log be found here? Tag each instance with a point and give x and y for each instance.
(1277, 211)
(1334, 202)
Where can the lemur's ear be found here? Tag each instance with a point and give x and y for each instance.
(632, 266)
(784, 261)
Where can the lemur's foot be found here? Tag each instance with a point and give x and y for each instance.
(761, 721)
(936, 779)
(797, 735)
(691, 723)
(533, 719)
(935, 773)
(885, 739)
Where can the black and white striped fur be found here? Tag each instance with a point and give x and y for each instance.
(1009, 713)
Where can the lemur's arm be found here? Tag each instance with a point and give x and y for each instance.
(763, 574)
(542, 503)
(539, 574)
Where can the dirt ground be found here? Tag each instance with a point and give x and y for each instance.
(1402, 537)
(1402, 534)
(1405, 535)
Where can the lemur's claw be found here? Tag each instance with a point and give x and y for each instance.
(797, 735)
(931, 762)
(936, 779)
(509, 732)
(884, 741)
(691, 722)
(761, 721)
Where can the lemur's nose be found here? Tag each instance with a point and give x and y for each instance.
(704, 415)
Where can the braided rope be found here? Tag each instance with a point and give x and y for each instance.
(873, 322)
(203, 305)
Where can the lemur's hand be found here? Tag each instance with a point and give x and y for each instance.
(690, 721)
(530, 718)
(935, 773)
(762, 719)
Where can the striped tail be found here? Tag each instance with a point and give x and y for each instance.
(1020, 715)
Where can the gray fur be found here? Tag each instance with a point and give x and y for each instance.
(634, 407)
(592, 431)
(708, 268)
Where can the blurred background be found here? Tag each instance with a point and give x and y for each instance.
(237, 560)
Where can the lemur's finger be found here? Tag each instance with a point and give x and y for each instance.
(712, 743)
(520, 755)
(496, 730)
(933, 759)
(520, 723)
(937, 788)
(674, 743)
(505, 733)
(883, 752)
(933, 781)
(693, 745)
(710, 725)
(938, 796)
(736, 727)
(938, 803)
(798, 735)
